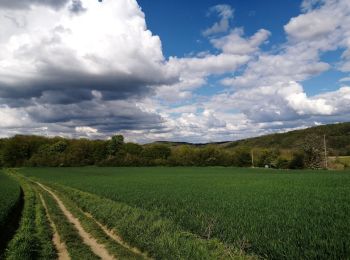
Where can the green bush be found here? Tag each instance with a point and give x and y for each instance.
(297, 161)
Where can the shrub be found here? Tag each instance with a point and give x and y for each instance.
(297, 161)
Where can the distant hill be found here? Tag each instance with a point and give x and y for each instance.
(337, 137)
(169, 143)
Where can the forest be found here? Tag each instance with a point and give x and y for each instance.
(306, 150)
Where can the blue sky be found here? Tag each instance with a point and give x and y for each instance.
(194, 71)
(180, 31)
(180, 23)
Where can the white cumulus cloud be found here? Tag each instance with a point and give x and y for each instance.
(225, 12)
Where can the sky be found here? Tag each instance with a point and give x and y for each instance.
(194, 71)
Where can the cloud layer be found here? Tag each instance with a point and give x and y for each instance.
(85, 68)
(225, 13)
(78, 63)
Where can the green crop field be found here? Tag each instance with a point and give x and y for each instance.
(196, 212)
(9, 195)
(9, 200)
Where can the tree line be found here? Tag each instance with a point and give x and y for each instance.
(33, 151)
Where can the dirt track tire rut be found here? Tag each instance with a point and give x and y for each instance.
(97, 248)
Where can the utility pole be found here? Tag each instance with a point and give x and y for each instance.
(252, 153)
(325, 151)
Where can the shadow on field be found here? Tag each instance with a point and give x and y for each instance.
(11, 224)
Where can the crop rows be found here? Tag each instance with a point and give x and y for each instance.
(161, 238)
(91, 227)
(41, 216)
(277, 215)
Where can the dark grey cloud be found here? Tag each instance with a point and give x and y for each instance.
(23, 4)
(77, 7)
(57, 86)
(108, 117)
(15, 102)
(60, 97)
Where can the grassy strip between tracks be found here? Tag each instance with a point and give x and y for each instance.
(66, 230)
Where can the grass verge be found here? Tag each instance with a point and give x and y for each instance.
(44, 232)
(33, 237)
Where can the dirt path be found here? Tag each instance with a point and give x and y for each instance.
(97, 248)
(60, 246)
(116, 237)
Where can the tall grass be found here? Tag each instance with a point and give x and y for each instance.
(33, 239)
(25, 244)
